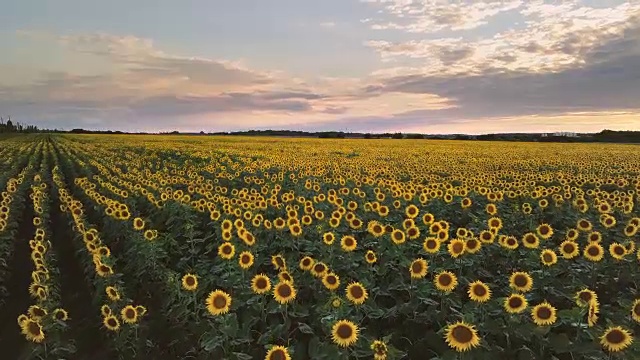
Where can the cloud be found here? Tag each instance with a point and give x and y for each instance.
(555, 37)
(607, 81)
(328, 24)
(430, 16)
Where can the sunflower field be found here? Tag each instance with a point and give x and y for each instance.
(200, 247)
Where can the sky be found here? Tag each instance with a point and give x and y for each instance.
(429, 66)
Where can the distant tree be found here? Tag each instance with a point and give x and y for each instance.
(398, 135)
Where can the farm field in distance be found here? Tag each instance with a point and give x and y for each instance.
(201, 247)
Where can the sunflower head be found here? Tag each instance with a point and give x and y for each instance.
(616, 339)
(60, 314)
(32, 330)
(190, 282)
(245, 260)
(593, 252)
(479, 291)
(284, 292)
(635, 310)
(331, 281)
(306, 263)
(111, 323)
(370, 257)
(260, 284)
(521, 281)
(129, 314)
(218, 302)
(446, 281)
(548, 257)
(344, 333)
(278, 353)
(456, 247)
(515, 303)
(356, 293)
(585, 296)
(461, 336)
(544, 314)
(418, 268)
(319, 269)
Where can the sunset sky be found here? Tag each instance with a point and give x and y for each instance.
(430, 66)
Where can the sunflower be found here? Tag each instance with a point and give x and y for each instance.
(112, 293)
(285, 276)
(510, 243)
(635, 310)
(569, 249)
(226, 250)
(138, 224)
(260, 284)
(544, 314)
(36, 312)
(370, 257)
(418, 268)
(376, 229)
(572, 234)
(456, 247)
(328, 238)
(284, 292)
(32, 330)
(60, 314)
(344, 333)
(515, 304)
(190, 282)
(319, 269)
(595, 236)
(348, 243)
(472, 245)
(397, 236)
(446, 281)
(431, 245)
(530, 240)
(412, 211)
(111, 323)
(584, 225)
(630, 230)
(495, 222)
(461, 336)
(245, 260)
(105, 310)
(129, 314)
(593, 252)
(428, 219)
(521, 281)
(545, 231)
(413, 232)
(380, 349)
(278, 353)
(585, 296)
(592, 315)
(479, 291)
(617, 251)
(336, 302)
(331, 281)
(22, 318)
(278, 262)
(356, 293)
(616, 339)
(548, 257)
(218, 302)
(104, 270)
(486, 236)
(149, 235)
(306, 263)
